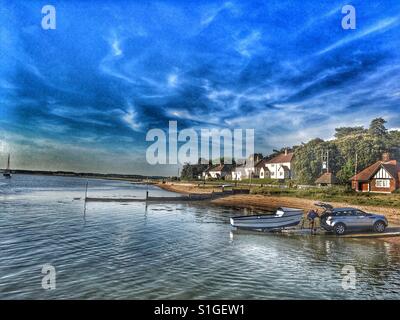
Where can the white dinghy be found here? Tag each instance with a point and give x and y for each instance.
(283, 218)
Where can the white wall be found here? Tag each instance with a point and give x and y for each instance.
(276, 169)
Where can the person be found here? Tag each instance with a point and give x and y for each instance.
(311, 216)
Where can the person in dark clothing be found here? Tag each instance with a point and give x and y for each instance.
(311, 216)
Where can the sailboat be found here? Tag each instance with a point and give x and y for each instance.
(7, 171)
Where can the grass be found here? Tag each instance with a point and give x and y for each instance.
(335, 194)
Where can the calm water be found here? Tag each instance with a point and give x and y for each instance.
(176, 251)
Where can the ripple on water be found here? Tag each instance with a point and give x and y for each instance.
(177, 251)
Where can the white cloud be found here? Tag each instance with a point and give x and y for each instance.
(213, 13)
(130, 118)
(116, 47)
(172, 80)
(247, 45)
(381, 25)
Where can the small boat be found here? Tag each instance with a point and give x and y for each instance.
(7, 171)
(283, 218)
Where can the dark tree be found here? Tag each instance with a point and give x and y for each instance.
(347, 131)
(377, 127)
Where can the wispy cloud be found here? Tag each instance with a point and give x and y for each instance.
(211, 14)
(380, 26)
(250, 43)
(130, 117)
(172, 80)
(116, 48)
(271, 66)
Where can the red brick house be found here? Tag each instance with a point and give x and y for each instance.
(383, 176)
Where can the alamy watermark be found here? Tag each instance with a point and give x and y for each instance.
(49, 280)
(188, 145)
(49, 18)
(349, 20)
(349, 277)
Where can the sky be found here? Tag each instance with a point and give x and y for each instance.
(83, 96)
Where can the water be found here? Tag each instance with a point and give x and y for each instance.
(172, 251)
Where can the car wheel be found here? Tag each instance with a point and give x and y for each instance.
(379, 226)
(339, 229)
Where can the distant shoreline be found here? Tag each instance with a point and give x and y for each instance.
(107, 176)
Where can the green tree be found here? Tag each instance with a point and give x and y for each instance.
(369, 145)
(346, 171)
(377, 127)
(192, 171)
(308, 161)
(346, 131)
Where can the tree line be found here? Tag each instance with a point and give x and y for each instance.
(368, 144)
(353, 148)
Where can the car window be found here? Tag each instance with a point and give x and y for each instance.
(348, 213)
(360, 213)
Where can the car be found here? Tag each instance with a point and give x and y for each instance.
(340, 220)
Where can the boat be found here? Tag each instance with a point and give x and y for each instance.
(283, 218)
(7, 171)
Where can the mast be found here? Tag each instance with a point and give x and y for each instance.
(8, 162)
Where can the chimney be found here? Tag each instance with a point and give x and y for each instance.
(286, 152)
(386, 157)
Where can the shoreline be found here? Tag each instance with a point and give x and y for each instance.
(265, 202)
(269, 202)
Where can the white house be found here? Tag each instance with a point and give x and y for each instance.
(219, 171)
(279, 167)
(248, 169)
(243, 171)
(262, 171)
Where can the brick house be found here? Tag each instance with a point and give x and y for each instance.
(382, 177)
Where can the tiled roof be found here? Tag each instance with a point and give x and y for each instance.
(393, 167)
(250, 165)
(327, 178)
(261, 163)
(221, 167)
(282, 158)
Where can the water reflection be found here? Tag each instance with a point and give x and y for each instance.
(173, 250)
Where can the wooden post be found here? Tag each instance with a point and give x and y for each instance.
(86, 190)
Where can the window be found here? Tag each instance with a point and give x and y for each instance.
(359, 213)
(347, 213)
(382, 183)
(343, 213)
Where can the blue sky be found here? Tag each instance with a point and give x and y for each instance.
(83, 96)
